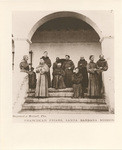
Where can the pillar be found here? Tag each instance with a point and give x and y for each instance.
(30, 56)
(20, 79)
(22, 46)
(107, 44)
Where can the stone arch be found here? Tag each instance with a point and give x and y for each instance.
(64, 14)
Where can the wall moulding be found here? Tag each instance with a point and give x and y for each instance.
(21, 39)
(105, 37)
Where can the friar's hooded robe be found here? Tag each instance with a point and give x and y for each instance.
(82, 65)
(101, 65)
(68, 67)
(93, 85)
(58, 82)
(42, 80)
(32, 80)
(48, 62)
(24, 66)
(77, 88)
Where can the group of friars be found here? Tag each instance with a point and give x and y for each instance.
(65, 75)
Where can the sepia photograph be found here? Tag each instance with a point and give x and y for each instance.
(62, 62)
(60, 78)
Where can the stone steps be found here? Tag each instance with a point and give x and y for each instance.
(61, 94)
(63, 100)
(64, 106)
(63, 112)
(60, 101)
(68, 92)
(60, 90)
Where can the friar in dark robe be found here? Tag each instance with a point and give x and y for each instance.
(68, 67)
(48, 62)
(93, 85)
(102, 66)
(32, 79)
(24, 65)
(56, 62)
(77, 86)
(58, 74)
(54, 67)
(82, 65)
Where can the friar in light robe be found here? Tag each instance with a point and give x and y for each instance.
(48, 62)
(68, 67)
(102, 66)
(93, 85)
(42, 79)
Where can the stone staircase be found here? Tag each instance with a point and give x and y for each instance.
(60, 101)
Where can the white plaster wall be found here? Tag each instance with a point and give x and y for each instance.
(20, 89)
(108, 50)
(75, 50)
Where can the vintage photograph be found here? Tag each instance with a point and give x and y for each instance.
(60, 74)
(63, 62)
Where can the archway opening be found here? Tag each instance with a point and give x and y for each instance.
(62, 36)
(61, 14)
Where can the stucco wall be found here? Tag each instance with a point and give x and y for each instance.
(75, 50)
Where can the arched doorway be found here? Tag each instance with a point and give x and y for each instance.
(64, 14)
(65, 35)
(79, 36)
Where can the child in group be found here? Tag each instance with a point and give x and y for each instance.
(77, 83)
